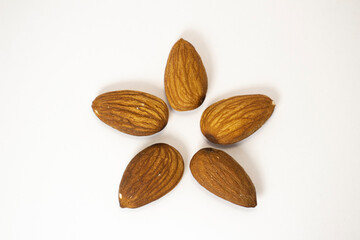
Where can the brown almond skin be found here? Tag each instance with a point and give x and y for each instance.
(151, 174)
(231, 120)
(185, 77)
(132, 112)
(220, 174)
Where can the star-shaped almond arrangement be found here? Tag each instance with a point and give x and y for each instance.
(157, 169)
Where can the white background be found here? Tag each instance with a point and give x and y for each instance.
(60, 166)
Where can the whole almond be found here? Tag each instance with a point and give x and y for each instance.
(231, 120)
(219, 173)
(132, 112)
(151, 174)
(185, 77)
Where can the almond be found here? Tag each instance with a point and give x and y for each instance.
(219, 173)
(231, 120)
(151, 174)
(132, 112)
(185, 77)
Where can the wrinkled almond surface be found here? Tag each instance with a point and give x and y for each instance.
(151, 174)
(132, 112)
(233, 119)
(185, 77)
(219, 173)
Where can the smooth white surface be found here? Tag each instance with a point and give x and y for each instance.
(60, 166)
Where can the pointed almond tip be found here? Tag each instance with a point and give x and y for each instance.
(253, 204)
(121, 201)
(182, 41)
(250, 203)
(94, 107)
(95, 111)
